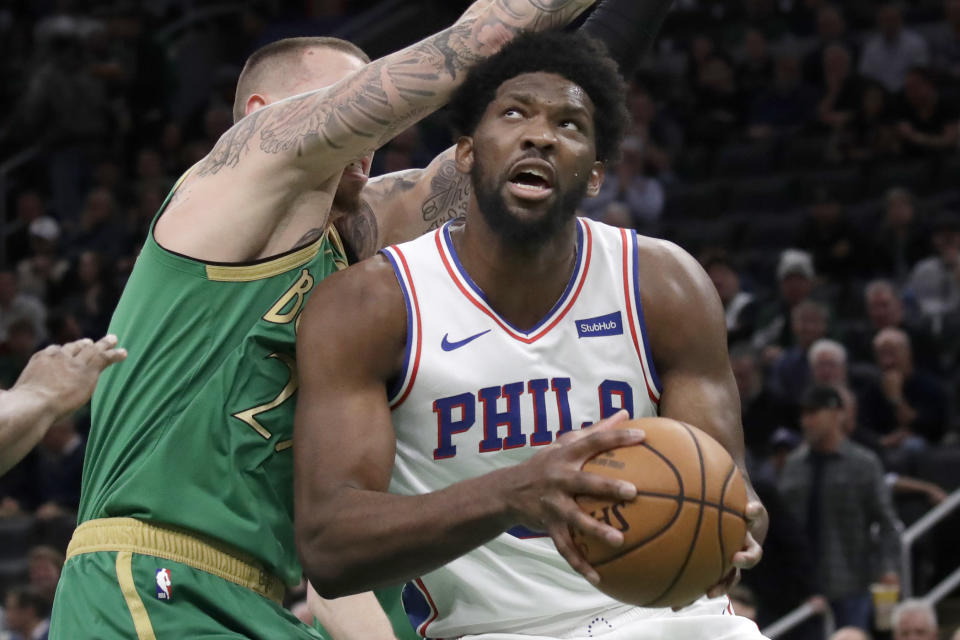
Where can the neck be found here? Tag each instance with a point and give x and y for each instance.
(829, 443)
(521, 282)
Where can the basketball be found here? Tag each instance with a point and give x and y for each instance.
(684, 526)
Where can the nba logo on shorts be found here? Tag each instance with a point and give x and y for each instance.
(164, 585)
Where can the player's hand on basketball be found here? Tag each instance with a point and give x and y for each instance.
(543, 497)
(751, 552)
(65, 376)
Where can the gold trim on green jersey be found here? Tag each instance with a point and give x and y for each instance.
(141, 621)
(267, 269)
(129, 535)
(283, 445)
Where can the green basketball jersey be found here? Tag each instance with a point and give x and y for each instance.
(195, 428)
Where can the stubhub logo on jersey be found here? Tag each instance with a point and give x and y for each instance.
(608, 325)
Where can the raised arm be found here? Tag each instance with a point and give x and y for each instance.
(690, 351)
(235, 198)
(404, 205)
(351, 534)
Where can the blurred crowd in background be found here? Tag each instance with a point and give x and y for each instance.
(805, 151)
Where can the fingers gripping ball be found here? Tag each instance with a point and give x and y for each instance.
(683, 528)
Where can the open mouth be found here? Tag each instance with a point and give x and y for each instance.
(531, 180)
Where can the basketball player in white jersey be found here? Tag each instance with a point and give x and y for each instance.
(446, 385)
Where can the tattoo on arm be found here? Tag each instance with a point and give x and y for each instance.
(359, 232)
(309, 237)
(449, 196)
(371, 106)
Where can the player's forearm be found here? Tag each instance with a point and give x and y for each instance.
(24, 417)
(331, 127)
(361, 539)
(628, 28)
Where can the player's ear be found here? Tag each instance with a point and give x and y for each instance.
(254, 102)
(597, 172)
(463, 154)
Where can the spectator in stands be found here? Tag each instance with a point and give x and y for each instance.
(58, 470)
(762, 410)
(755, 69)
(835, 489)
(739, 306)
(791, 372)
(850, 633)
(945, 41)
(787, 106)
(912, 397)
(914, 619)
(41, 273)
(841, 90)
(628, 185)
(836, 245)
(29, 206)
(661, 136)
(934, 283)
(15, 305)
(99, 228)
(872, 134)
(94, 296)
(717, 112)
(902, 239)
(885, 310)
(855, 429)
(831, 31)
(27, 614)
(795, 275)
(893, 51)
(21, 343)
(828, 363)
(45, 565)
(927, 124)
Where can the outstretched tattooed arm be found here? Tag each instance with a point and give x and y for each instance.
(271, 178)
(323, 130)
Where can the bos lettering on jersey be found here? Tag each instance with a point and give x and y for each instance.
(468, 417)
(477, 394)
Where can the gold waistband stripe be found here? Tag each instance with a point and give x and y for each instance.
(136, 536)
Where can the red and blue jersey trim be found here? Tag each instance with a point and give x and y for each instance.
(475, 295)
(401, 387)
(419, 606)
(634, 305)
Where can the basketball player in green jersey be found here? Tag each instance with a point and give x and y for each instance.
(186, 516)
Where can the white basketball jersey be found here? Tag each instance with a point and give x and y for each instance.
(478, 394)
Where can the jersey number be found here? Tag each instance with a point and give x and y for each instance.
(282, 312)
(249, 416)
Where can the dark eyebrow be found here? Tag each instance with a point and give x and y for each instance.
(529, 99)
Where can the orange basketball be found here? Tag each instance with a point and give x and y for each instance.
(682, 529)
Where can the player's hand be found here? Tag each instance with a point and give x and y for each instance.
(65, 376)
(525, 15)
(541, 497)
(751, 552)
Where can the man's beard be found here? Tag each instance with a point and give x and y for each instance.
(515, 231)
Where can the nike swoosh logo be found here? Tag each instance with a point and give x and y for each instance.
(446, 345)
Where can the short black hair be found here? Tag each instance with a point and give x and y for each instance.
(575, 56)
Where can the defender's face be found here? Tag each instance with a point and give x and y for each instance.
(533, 154)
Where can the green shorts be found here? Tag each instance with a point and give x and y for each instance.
(126, 594)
